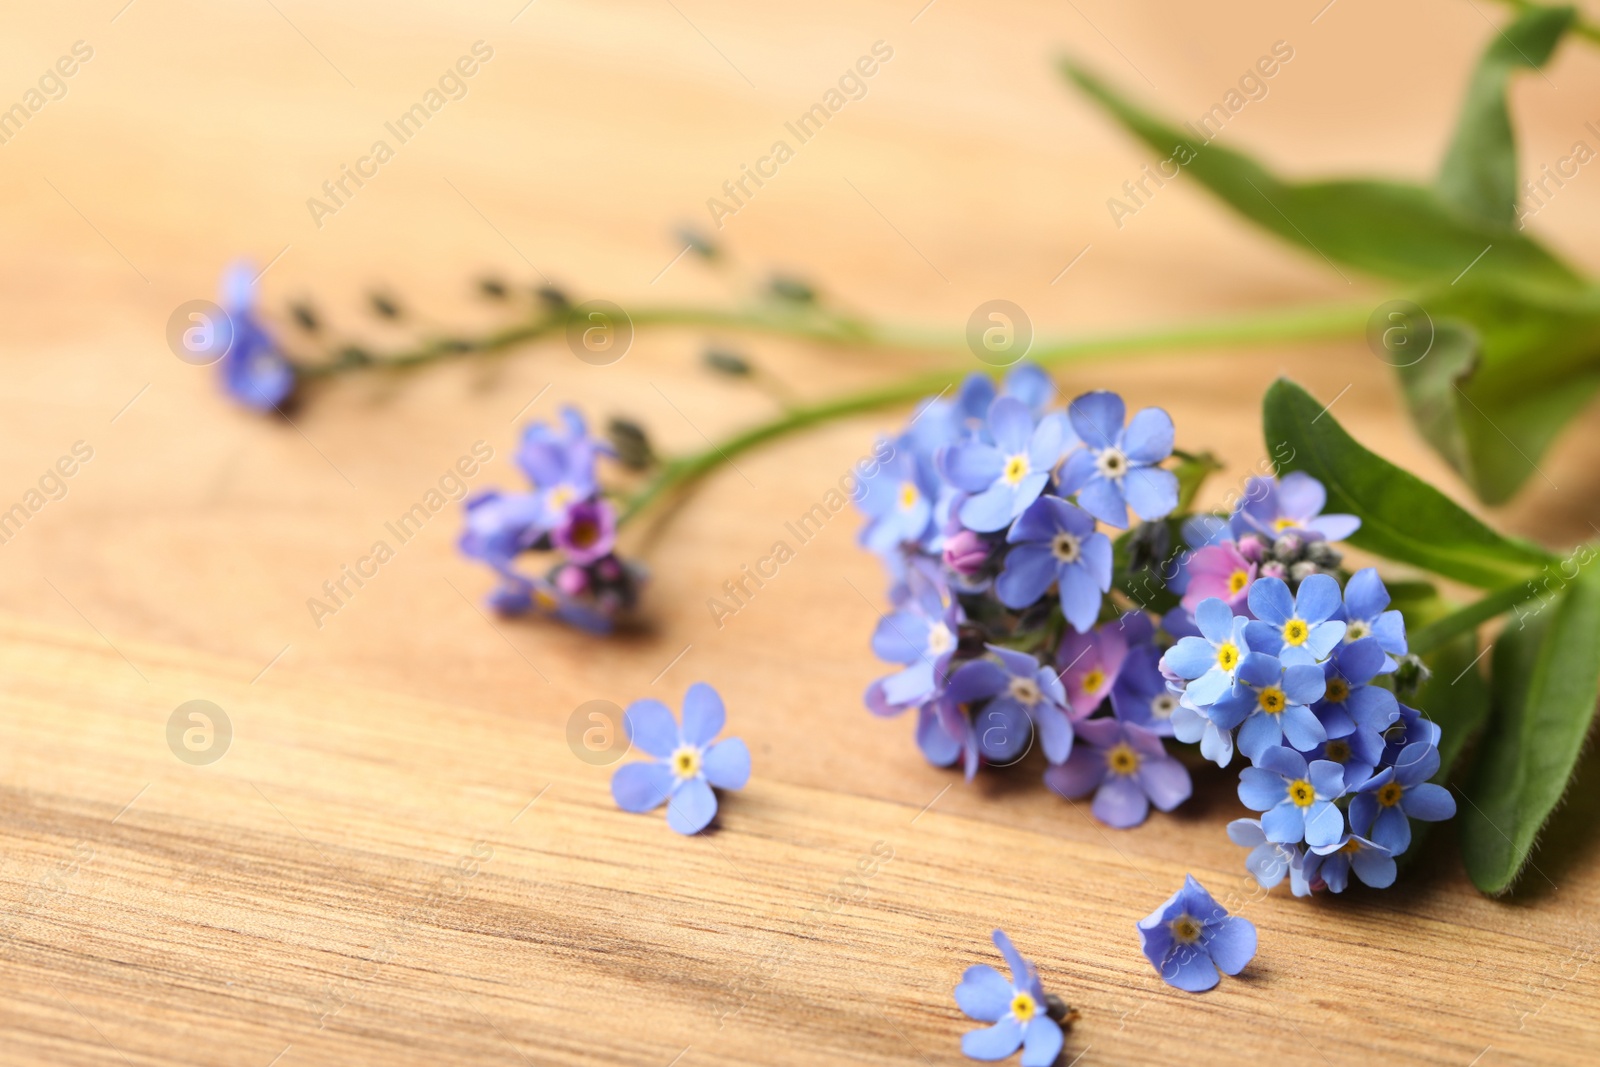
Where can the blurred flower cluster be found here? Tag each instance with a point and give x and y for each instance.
(1016, 621)
(563, 513)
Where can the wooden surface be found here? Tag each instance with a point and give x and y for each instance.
(305, 897)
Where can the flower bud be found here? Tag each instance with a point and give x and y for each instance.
(1324, 555)
(1274, 569)
(1288, 547)
(1253, 547)
(965, 553)
(1299, 572)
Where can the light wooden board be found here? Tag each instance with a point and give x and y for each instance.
(296, 899)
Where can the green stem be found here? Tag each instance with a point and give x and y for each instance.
(1466, 619)
(1315, 323)
(1580, 26)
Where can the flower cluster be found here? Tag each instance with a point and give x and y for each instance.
(989, 519)
(563, 512)
(1278, 659)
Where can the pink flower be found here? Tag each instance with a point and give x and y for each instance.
(1090, 664)
(1219, 571)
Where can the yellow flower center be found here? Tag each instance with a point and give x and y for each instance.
(1302, 793)
(1237, 581)
(562, 495)
(1280, 525)
(1122, 759)
(1355, 631)
(1185, 930)
(686, 762)
(1337, 751)
(1024, 1007)
(1094, 680)
(1351, 845)
(1016, 469)
(1295, 632)
(545, 599)
(908, 496)
(1389, 794)
(1338, 690)
(1271, 700)
(1227, 655)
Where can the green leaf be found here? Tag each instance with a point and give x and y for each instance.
(1455, 696)
(1509, 366)
(1479, 174)
(1546, 681)
(1402, 517)
(1390, 229)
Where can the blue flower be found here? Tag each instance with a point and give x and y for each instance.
(921, 634)
(1411, 728)
(1191, 937)
(520, 595)
(1191, 724)
(1303, 622)
(1019, 691)
(1009, 474)
(1017, 1009)
(1358, 752)
(1269, 861)
(1351, 702)
(1210, 662)
(1127, 769)
(686, 763)
(1365, 599)
(898, 500)
(1372, 863)
(1116, 469)
(500, 526)
(1293, 503)
(1056, 542)
(1272, 704)
(560, 463)
(1297, 800)
(1383, 808)
(254, 372)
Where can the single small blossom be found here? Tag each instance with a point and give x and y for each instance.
(1293, 503)
(1007, 475)
(1412, 727)
(500, 526)
(1385, 805)
(254, 372)
(1296, 798)
(898, 499)
(1269, 861)
(1365, 615)
(1090, 664)
(1191, 937)
(1019, 692)
(1117, 467)
(1350, 701)
(1219, 571)
(1127, 769)
(1271, 705)
(1141, 695)
(1017, 1008)
(922, 635)
(1055, 542)
(1303, 621)
(1210, 662)
(966, 553)
(1358, 752)
(1370, 861)
(686, 763)
(559, 461)
(588, 531)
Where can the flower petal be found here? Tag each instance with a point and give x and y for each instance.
(1102, 498)
(1151, 492)
(1042, 1040)
(693, 807)
(1120, 802)
(1011, 425)
(1428, 802)
(1232, 943)
(726, 764)
(983, 994)
(995, 1043)
(990, 510)
(703, 714)
(1083, 770)
(1190, 970)
(1165, 781)
(1149, 436)
(1098, 417)
(1028, 572)
(641, 787)
(1270, 600)
(651, 727)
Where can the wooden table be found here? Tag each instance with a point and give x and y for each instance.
(399, 859)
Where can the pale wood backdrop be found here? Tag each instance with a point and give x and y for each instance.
(296, 899)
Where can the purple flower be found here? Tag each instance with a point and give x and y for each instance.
(1055, 542)
(1365, 601)
(1297, 799)
(1372, 863)
(966, 553)
(1126, 768)
(560, 463)
(1293, 503)
(1017, 1008)
(922, 635)
(588, 532)
(1141, 695)
(1019, 692)
(254, 372)
(500, 526)
(1303, 621)
(1116, 469)
(1385, 805)
(686, 763)
(1090, 665)
(1009, 474)
(1191, 937)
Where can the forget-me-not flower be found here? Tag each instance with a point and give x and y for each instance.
(254, 372)
(1292, 503)
(1056, 542)
(1296, 799)
(686, 763)
(1366, 613)
(1117, 467)
(1017, 1008)
(1191, 937)
(1303, 621)
(1007, 473)
(1126, 767)
(1384, 806)
(1019, 691)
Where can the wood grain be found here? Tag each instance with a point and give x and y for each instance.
(307, 896)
